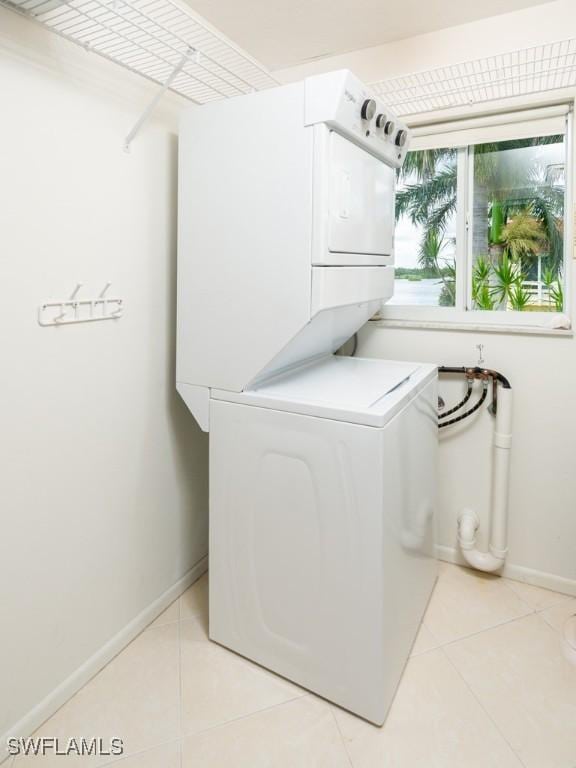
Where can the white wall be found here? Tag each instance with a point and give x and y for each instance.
(542, 369)
(520, 29)
(103, 490)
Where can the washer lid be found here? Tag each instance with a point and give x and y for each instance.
(358, 390)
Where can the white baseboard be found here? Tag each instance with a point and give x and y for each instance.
(517, 573)
(60, 695)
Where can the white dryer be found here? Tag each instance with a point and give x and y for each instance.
(322, 468)
(322, 492)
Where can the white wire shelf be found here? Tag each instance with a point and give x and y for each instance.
(151, 37)
(546, 67)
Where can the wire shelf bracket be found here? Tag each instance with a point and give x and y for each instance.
(155, 101)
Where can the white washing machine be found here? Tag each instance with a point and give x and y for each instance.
(322, 468)
(322, 493)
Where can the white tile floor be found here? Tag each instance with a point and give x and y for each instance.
(486, 687)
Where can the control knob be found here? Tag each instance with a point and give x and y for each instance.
(368, 109)
(380, 120)
(401, 137)
(389, 127)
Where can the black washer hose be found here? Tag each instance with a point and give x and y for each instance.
(469, 412)
(462, 402)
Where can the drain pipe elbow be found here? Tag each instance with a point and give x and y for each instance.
(489, 562)
(468, 524)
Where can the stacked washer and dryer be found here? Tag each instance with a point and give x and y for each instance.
(322, 467)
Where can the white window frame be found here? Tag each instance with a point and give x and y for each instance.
(461, 315)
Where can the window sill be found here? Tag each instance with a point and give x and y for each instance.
(455, 325)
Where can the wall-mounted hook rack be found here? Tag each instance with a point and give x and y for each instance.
(74, 310)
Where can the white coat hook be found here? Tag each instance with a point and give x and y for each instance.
(118, 311)
(152, 106)
(84, 310)
(103, 298)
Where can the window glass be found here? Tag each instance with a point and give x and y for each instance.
(425, 237)
(517, 225)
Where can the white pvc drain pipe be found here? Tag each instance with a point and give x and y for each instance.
(569, 639)
(468, 522)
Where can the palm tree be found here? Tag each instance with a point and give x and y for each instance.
(524, 235)
(430, 249)
(513, 187)
(428, 193)
(516, 209)
(508, 279)
(429, 258)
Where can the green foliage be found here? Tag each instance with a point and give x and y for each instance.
(431, 201)
(483, 298)
(448, 292)
(424, 163)
(496, 221)
(507, 277)
(430, 248)
(481, 284)
(548, 277)
(519, 298)
(523, 236)
(417, 273)
(557, 294)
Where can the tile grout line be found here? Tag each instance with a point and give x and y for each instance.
(180, 682)
(562, 596)
(506, 584)
(180, 696)
(180, 737)
(331, 708)
(532, 612)
(481, 705)
(197, 619)
(158, 626)
(480, 631)
(544, 619)
(244, 717)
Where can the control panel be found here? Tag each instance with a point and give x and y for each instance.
(342, 102)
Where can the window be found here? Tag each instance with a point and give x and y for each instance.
(425, 239)
(480, 226)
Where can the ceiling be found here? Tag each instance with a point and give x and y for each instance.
(283, 33)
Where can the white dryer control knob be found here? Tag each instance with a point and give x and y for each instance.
(380, 120)
(368, 109)
(389, 127)
(401, 137)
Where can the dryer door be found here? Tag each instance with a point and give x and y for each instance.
(361, 202)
